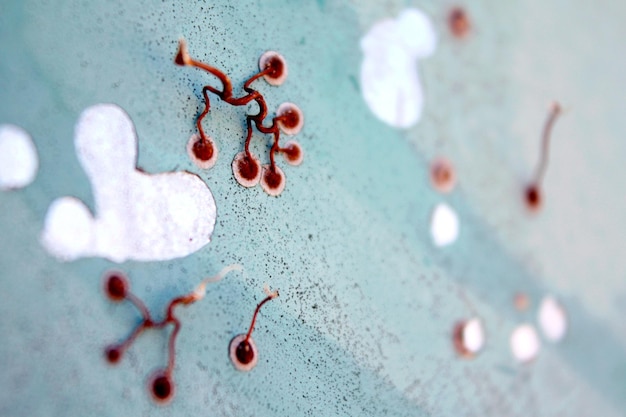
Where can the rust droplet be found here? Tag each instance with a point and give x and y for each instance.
(458, 22)
(203, 150)
(116, 286)
(533, 197)
(442, 175)
(162, 387)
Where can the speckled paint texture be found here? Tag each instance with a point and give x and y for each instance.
(364, 321)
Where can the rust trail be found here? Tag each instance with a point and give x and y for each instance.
(532, 193)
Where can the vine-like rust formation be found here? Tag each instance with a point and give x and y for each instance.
(289, 119)
(117, 288)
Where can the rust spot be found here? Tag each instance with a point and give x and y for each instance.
(459, 22)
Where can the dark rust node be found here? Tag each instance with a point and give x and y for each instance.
(203, 150)
(113, 354)
(273, 178)
(292, 152)
(179, 60)
(248, 168)
(290, 119)
(116, 287)
(162, 387)
(244, 352)
(442, 175)
(275, 66)
(533, 197)
(458, 22)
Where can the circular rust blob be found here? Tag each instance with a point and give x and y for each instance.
(203, 150)
(533, 197)
(293, 153)
(442, 175)
(243, 353)
(521, 301)
(162, 387)
(272, 180)
(246, 169)
(202, 153)
(290, 118)
(116, 287)
(113, 354)
(458, 22)
(276, 67)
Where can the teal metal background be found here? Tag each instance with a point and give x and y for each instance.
(363, 324)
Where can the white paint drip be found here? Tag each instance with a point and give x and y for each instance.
(552, 319)
(138, 216)
(18, 158)
(389, 78)
(473, 336)
(444, 225)
(525, 343)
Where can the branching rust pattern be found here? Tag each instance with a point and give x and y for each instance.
(116, 287)
(289, 119)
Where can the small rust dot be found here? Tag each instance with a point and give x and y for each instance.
(202, 150)
(293, 153)
(276, 65)
(246, 169)
(162, 387)
(244, 352)
(290, 118)
(116, 287)
(113, 354)
(533, 197)
(203, 153)
(442, 175)
(273, 178)
(521, 301)
(458, 22)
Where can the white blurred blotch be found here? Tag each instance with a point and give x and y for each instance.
(525, 343)
(444, 225)
(18, 158)
(390, 82)
(137, 216)
(552, 319)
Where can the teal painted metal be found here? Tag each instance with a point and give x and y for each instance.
(363, 323)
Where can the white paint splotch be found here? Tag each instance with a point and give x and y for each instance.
(552, 319)
(524, 342)
(444, 225)
(473, 335)
(137, 216)
(389, 75)
(18, 158)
